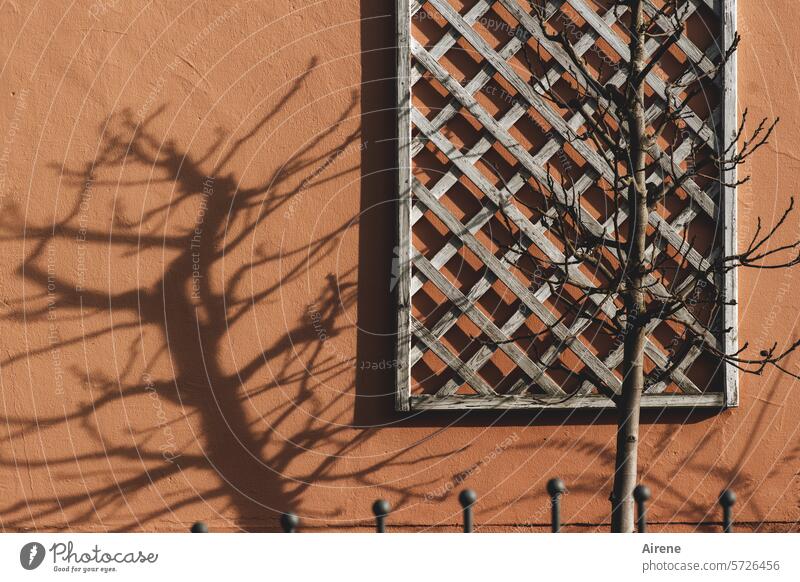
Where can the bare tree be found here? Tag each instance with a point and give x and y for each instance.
(649, 157)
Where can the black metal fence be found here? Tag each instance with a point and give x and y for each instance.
(555, 489)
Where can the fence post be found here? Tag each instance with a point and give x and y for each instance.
(555, 489)
(289, 522)
(467, 499)
(381, 509)
(726, 499)
(199, 527)
(641, 494)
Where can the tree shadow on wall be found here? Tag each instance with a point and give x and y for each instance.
(242, 464)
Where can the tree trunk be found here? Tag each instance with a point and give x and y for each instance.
(625, 469)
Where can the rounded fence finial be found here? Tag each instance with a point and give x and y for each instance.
(381, 507)
(555, 487)
(467, 497)
(727, 498)
(641, 493)
(199, 527)
(289, 522)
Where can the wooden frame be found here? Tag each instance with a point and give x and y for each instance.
(410, 190)
(729, 123)
(403, 388)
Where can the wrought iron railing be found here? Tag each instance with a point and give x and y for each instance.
(555, 490)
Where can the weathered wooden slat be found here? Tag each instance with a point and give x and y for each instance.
(534, 372)
(565, 61)
(498, 132)
(451, 36)
(403, 251)
(500, 402)
(656, 83)
(524, 157)
(698, 57)
(516, 112)
(532, 26)
(522, 87)
(486, 72)
(532, 233)
(730, 312)
(583, 45)
(475, 84)
(536, 233)
(516, 287)
(474, 14)
(678, 375)
(485, 353)
(614, 359)
(595, 159)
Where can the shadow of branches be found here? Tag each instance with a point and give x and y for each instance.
(239, 434)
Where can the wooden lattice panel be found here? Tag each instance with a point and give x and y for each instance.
(478, 146)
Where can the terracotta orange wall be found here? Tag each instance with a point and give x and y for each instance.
(196, 235)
